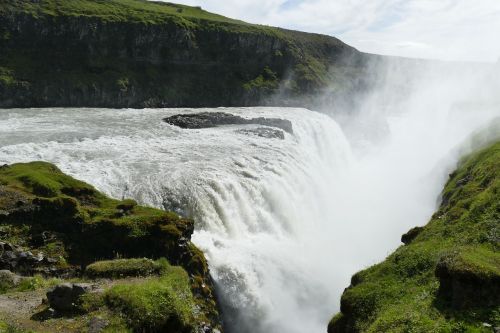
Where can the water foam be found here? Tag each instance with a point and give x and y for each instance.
(283, 223)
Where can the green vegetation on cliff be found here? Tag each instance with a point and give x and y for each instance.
(446, 278)
(138, 53)
(124, 267)
(119, 10)
(157, 303)
(54, 228)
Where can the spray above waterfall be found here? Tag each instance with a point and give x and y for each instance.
(283, 223)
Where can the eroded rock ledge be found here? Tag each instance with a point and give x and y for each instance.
(54, 228)
(214, 119)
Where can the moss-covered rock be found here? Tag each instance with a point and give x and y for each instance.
(123, 268)
(8, 280)
(447, 276)
(469, 278)
(162, 304)
(55, 216)
(411, 235)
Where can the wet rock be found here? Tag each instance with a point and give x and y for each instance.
(207, 328)
(97, 325)
(25, 255)
(50, 261)
(9, 279)
(63, 297)
(411, 235)
(51, 313)
(214, 119)
(264, 132)
(6, 247)
(15, 259)
(13, 202)
(8, 260)
(42, 238)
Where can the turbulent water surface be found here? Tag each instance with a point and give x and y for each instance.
(283, 223)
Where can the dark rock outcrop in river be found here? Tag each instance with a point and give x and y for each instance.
(213, 119)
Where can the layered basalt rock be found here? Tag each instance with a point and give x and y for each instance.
(134, 53)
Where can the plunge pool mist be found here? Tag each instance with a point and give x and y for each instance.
(283, 223)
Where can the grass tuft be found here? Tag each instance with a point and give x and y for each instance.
(120, 268)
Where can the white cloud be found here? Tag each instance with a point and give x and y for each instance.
(442, 29)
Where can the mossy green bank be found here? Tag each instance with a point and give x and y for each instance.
(446, 278)
(162, 281)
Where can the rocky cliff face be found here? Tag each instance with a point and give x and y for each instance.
(133, 53)
(53, 229)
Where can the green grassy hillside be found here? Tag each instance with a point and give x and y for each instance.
(447, 276)
(137, 53)
(59, 227)
(118, 10)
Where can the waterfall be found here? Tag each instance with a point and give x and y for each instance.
(283, 223)
(260, 204)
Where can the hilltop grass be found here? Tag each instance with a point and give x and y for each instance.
(408, 291)
(157, 12)
(140, 11)
(42, 179)
(150, 12)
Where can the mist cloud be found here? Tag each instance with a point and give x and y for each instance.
(439, 29)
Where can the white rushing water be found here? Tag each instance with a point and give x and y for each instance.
(259, 204)
(283, 223)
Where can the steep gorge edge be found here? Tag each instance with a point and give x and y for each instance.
(56, 229)
(446, 278)
(136, 53)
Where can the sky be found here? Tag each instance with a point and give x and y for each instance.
(465, 30)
